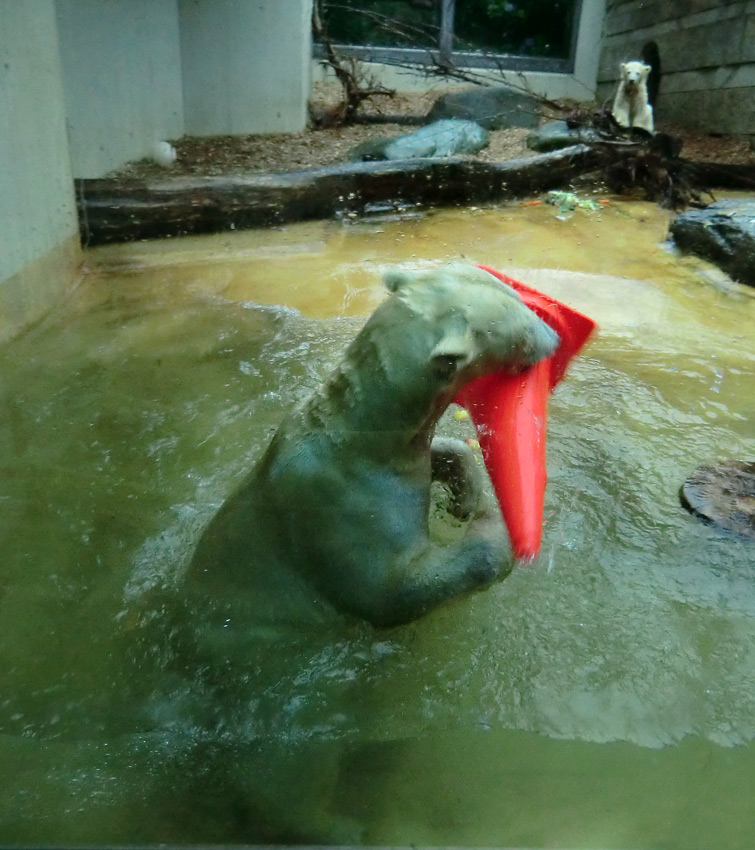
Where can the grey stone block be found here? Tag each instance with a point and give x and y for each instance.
(557, 134)
(445, 138)
(493, 107)
(724, 233)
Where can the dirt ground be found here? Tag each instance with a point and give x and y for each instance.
(254, 154)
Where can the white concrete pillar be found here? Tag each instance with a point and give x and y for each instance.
(246, 65)
(39, 238)
(588, 43)
(122, 78)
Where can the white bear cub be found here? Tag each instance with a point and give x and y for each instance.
(630, 106)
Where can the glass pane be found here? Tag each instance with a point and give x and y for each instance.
(383, 23)
(521, 27)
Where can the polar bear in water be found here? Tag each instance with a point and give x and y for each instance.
(334, 517)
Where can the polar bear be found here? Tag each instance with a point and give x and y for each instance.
(334, 517)
(630, 106)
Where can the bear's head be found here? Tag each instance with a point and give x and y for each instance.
(634, 74)
(439, 330)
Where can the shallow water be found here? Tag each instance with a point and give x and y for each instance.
(604, 697)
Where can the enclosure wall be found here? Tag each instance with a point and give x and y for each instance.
(122, 79)
(39, 250)
(707, 50)
(246, 65)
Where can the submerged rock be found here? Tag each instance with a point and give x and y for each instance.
(558, 134)
(724, 233)
(494, 107)
(723, 495)
(442, 138)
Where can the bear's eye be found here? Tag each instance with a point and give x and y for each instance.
(444, 366)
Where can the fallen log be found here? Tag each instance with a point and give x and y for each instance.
(113, 210)
(721, 175)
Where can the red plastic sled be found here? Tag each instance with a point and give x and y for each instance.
(510, 416)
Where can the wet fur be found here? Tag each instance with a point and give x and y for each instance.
(331, 528)
(334, 518)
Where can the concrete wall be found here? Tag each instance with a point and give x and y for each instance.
(86, 85)
(122, 79)
(137, 71)
(246, 65)
(707, 52)
(39, 244)
(579, 85)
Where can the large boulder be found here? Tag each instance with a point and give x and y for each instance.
(556, 135)
(442, 138)
(724, 233)
(494, 107)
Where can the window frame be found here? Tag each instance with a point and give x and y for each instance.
(443, 55)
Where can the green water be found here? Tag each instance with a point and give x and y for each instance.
(604, 697)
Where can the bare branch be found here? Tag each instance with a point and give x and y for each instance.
(357, 87)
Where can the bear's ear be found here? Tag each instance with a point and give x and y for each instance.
(644, 72)
(396, 279)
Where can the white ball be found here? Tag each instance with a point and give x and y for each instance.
(163, 153)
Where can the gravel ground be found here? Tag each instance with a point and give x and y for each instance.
(254, 154)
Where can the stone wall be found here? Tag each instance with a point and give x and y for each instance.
(707, 50)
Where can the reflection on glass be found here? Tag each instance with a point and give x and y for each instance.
(521, 27)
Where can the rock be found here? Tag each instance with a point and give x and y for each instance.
(494, 107)
(558, 134)
(370, 150)
(723, 495)
(442, 138)
(724, 233)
